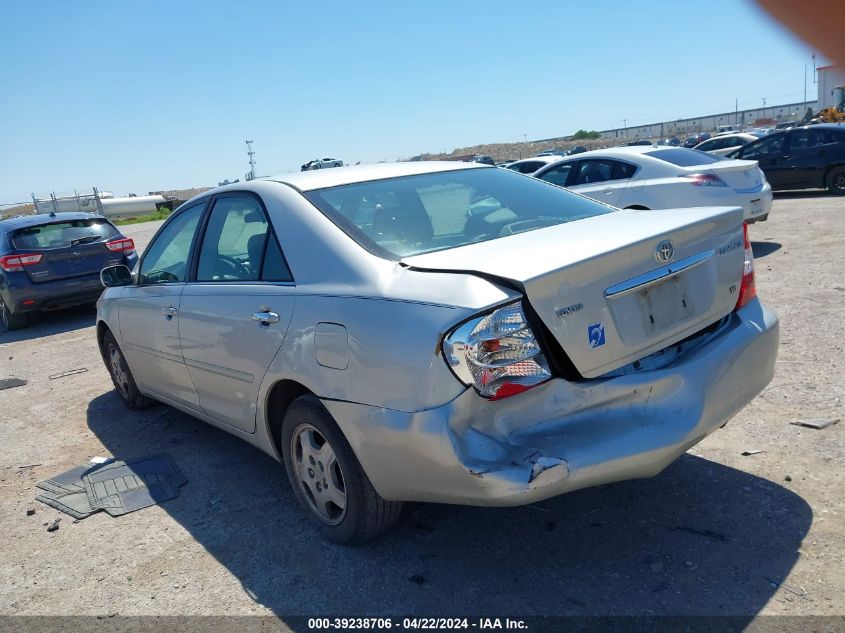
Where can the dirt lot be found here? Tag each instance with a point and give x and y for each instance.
(716, 533)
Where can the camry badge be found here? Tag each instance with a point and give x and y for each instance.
(664, 251)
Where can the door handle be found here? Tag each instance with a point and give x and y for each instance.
(169, 312)
(265, 318)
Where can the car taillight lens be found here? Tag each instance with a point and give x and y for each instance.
(747, 289)
(705, 180)
(497, 353)
(123, 245)
(15, 263)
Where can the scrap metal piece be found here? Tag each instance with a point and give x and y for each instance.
(818, 424)
(70, 372)
(9, 383)
(752, 452)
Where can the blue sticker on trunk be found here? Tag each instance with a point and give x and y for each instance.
(595, 334)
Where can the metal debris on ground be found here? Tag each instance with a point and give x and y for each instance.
(752, 452)
(117, 487)
(54, 525)
(819, 424)
(69, 372)
(9, 383)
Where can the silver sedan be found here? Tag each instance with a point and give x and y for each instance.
(440, 332)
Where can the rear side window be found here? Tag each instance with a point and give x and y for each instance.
(807, 138)
(527, 168)
(63, 234)
(684, 157)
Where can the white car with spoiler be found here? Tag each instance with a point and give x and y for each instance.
(443, 332)
(658, 177)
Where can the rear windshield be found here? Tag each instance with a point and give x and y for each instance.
(684, 157)
(63, 234)
(409, 215)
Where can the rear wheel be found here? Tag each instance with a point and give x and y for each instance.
(122, 378)
(327, 478)
(836, 181)
(12, 320)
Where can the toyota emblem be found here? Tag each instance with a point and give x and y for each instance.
(664, 251)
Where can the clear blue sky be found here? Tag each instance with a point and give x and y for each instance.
(136, 96)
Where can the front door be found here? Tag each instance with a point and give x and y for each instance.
(149, 311)
(769, 152)
(235, 313)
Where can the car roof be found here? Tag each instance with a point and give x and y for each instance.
(320, 179)
(542, 159)
(23, 221)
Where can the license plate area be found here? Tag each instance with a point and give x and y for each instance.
(756, 206)
(664, 304)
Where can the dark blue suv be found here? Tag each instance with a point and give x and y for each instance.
(54, 261)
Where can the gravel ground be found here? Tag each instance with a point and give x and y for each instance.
(716, 533)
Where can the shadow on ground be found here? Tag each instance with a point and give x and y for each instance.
(53, 322)
(701, 538)
(761, 249)
(797, 194)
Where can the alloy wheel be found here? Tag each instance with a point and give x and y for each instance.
(118, 372)
(319, 475)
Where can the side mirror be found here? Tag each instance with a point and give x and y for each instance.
(115, 276)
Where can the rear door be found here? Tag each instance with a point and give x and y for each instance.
(149, 311)
(769, 152)
(235, 312)
(602, 179)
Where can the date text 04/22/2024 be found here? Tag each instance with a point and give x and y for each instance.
(435, 624)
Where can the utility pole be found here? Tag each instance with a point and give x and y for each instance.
(625, 123)
(764, 107)
(736, 112)
(251, 174)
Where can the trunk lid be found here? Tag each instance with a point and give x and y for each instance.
(600, 286)
(73, 261)
(739, 175)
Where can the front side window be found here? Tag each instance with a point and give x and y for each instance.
(166, 259)
(63, 234)
(558, 175)
(764, 148)
(405, 216)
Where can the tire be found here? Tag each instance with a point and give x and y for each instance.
(309, 434)
(836, 181)
(121, 376)
(11, 321)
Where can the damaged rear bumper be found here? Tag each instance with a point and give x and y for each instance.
(562, 436)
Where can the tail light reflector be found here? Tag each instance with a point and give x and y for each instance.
(705, 180)
(122, 245)
(497, 353)
(747, 289)
(15, 263)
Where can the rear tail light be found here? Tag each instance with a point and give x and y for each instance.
(497, 353)
(747, 289)
(15, 263)
(705, 180)
(122, 245)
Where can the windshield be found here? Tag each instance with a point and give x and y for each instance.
(63, 234)
(684, 157)
(410, 215)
